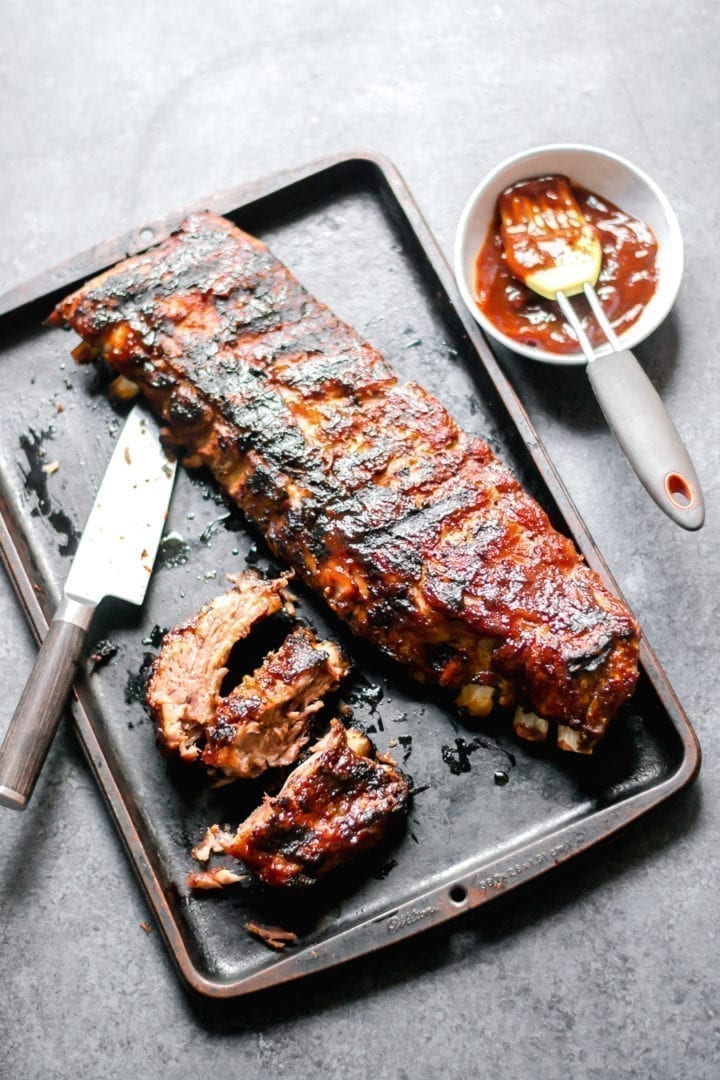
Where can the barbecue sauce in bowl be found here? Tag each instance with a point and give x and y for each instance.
(628, 279)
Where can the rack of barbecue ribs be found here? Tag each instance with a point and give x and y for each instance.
(412, 530)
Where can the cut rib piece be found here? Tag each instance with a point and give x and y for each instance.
(337, 804)
(413, 531)
(275, 937)
(188, 671)
(264, 722)
(219, 878)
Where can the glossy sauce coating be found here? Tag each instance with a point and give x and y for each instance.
(627, 282)
(410, 529)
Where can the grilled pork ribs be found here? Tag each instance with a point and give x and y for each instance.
(264, 723)
(412, 530)
(335, 805)
(188, 672)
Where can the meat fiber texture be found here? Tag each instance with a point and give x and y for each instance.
(412, 530)
(265, 721)
(337, 804)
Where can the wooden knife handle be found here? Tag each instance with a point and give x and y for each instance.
(38, 713)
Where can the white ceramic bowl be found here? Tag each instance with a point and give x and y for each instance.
(607, 174)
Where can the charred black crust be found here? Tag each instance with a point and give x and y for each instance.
(301, 665)
(287, 841)
(343, 467)
(185, 406)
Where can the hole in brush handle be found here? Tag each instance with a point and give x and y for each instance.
(679, 491)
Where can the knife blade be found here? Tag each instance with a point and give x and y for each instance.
(115, 557)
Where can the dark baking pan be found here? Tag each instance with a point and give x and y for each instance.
(489, 812)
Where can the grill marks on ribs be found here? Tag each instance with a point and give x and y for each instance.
(187, 674)
(414, 531)
(334, 806)
(265, 721)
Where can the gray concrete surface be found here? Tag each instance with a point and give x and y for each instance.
(113, 113)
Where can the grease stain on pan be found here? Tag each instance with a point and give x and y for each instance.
(406, 744)
(136, 684)
(174, 551)
(155, 636)
(457, 758)
(384, 870)
(36, 482)
(365, 693)
(214, 527)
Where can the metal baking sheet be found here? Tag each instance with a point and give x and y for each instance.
(489, 812)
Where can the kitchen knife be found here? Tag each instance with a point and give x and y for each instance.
(114, 558)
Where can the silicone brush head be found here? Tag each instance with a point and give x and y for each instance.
(549, 245)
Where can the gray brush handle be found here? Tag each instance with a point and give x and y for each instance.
(641, 423)
(41, 705)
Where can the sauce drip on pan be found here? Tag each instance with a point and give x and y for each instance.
(627, 281)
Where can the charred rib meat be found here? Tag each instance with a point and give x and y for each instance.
(264, 722)
(187, 674)
(412, 530)
(337, 804)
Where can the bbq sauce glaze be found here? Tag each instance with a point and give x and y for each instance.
(627, 281)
